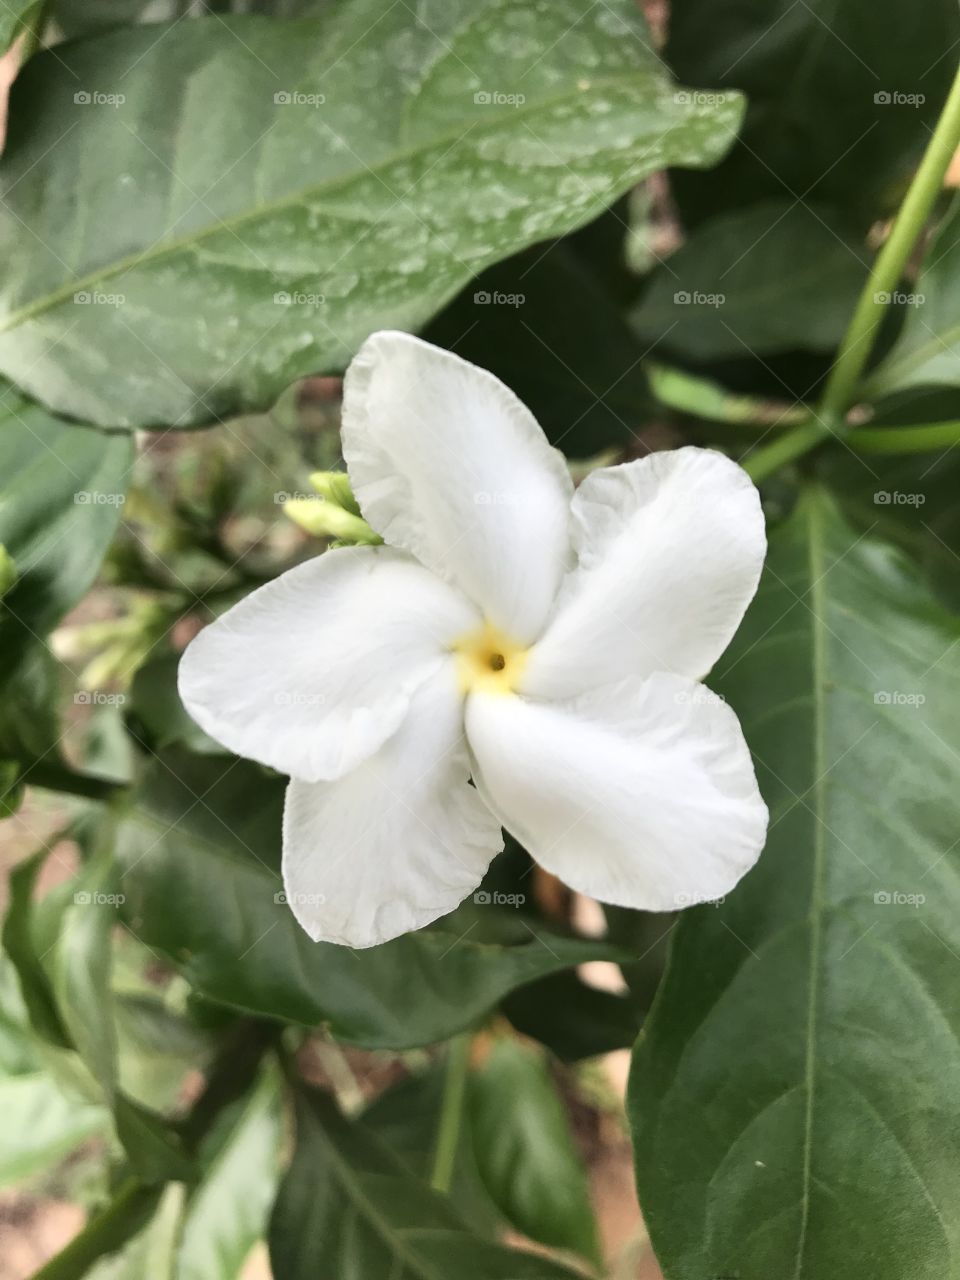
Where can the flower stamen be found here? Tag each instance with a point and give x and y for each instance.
(488, 660)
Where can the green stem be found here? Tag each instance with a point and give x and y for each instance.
(764, 461)
(126, 1213)
(451, 1111)
(859, 339)
(57, 777)
(888, 268)
(924, 439)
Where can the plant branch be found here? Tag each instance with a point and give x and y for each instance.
(859, 339)
(891, 260)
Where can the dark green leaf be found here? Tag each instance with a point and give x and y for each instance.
(319, 179)
(202, 886)
(775, 277)
(793, 1091)
(831, 86)
(348, 1206)
(572, 1019)
(406, 1117)
(525, 1151)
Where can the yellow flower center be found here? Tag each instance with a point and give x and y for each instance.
(489, 661)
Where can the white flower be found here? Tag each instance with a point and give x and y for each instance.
(545, 643)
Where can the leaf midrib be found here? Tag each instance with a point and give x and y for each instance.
(316, 191)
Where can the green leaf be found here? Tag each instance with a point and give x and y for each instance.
(910, 501)
(775, 277)
(525, 1150)
(927, 353)
(348, 1206)
(201, 856)
(41, 1125)
(792, 1090)
(572, 1019)
(812, 73)
(61, 490)
(355, 181)
(20, 945)
(82, 965)
(406, 1117)
(227, 1212)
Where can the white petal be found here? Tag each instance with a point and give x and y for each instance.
(447, 463)
(313, 672)
(670, 551)
(399, 841)
(641, 794)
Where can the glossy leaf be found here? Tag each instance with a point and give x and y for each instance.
(201, 877)
(348, 1206)
(775, 277)
(843, 95)
(793, 1091)
(320, 179)
(525, 1150)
